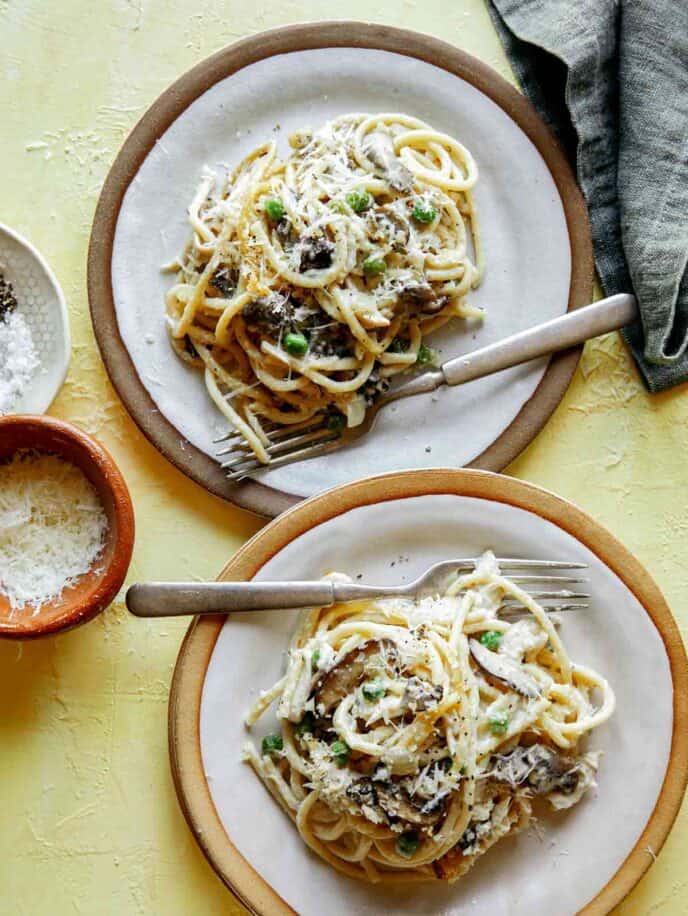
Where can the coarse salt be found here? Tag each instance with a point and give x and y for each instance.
(18, 359)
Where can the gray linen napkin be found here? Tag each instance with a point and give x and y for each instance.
(611, 79)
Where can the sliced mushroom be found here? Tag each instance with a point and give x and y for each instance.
(386, 226)
(225, 280)
(316, 254)
(396, 803)
(332, 339)
(505, 670)
(420, 296)
(362, 792)
(286, 233)
(340, 680)
(374, 387)
(271, 311)
(189, 347)
(472, 835)
(420, 695)
(417, 291)
(545, 772)
(400, 232)
(379, 148)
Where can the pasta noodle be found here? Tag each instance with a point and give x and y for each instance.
(415, 734)
(309, 282)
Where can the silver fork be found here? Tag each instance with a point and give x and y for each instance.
(319, 436)
(173, 599)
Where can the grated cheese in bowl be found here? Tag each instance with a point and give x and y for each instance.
(52, 528)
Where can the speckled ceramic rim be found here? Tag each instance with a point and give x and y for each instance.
(46, 434)
(194, 657)
(249, 494)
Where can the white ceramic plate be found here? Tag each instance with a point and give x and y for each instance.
(529, 210)
(391, 535)
(42, 304)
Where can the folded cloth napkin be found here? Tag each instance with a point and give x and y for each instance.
(611, 79)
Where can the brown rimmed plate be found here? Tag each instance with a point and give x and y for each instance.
(539, 260)
(389, 528)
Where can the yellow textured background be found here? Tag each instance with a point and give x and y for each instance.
(88, 818)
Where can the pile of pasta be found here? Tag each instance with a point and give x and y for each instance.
(415, 734)
(308, 282)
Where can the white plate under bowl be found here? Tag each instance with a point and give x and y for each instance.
(530, 213)
(390, 529)
(41, 303)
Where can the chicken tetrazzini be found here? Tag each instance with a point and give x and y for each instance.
(415, 734)
(309, 282)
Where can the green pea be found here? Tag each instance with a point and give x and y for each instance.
(407, 844)
(426, 355)
(491, 639)
(423, 212)
(373, 690)
(274, 208)
(340, 752)
(306, 725)
(499, 724)
(295, 343)
(272, 745)
(373, 266)
(358, 200)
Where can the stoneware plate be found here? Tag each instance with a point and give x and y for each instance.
(533, 220)
(388, 529)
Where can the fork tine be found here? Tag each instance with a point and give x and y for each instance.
(287, 445)
(233, 433)
(319, 448)
(551, 580)
(230, 434)
(518, 610)
(523, 564)
(282, 433)
(298, 428)
(274, 431)
(544, 564)
(541, 596)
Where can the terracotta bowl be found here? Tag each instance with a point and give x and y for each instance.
(96, 589)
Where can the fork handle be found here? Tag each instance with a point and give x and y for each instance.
(179, 599)
(569, 330)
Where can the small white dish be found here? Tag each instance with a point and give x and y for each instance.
(41, 302)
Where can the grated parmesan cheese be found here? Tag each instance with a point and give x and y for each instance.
(18, 359)
(52, 528)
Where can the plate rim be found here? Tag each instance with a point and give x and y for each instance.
(256, 497)
(197, 647)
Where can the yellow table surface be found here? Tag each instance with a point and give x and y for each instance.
(89, 819)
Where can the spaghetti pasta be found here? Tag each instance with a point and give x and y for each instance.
(307, 283)
(415, 734)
